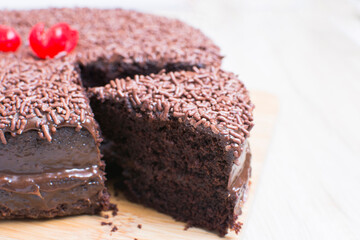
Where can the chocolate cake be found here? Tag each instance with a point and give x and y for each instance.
(174, 124)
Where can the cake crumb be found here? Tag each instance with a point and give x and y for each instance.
(106, 223)
(116, 193)
(114, 209)
(187, 226)
(139, 226)
(237, 227)
(106, 216)
(114, 229)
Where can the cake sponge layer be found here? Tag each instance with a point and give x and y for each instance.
(29, 153)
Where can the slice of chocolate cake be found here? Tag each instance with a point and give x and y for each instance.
(49, 156)
(180, 140)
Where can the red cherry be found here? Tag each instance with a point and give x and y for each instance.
(59, 38)
(9, 39)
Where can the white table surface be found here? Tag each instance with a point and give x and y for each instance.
(308, 54)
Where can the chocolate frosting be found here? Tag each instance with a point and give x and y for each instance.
(38, 190)
(55, 180)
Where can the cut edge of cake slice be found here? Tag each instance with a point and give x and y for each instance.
(180, 139)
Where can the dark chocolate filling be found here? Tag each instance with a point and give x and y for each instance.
(38, 190)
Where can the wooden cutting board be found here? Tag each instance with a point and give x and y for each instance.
(154, 225)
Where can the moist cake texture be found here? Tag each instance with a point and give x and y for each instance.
(174, 125)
